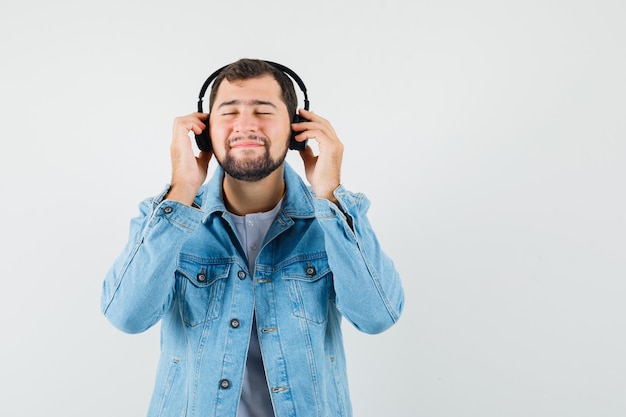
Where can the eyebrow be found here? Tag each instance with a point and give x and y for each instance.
(246, 103)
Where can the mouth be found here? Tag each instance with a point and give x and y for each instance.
(246, 142)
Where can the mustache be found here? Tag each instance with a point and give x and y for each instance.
(260, 139)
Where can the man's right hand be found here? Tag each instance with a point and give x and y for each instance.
(188, 170)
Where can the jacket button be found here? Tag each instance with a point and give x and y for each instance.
(310, 271)
(241, 275)
(234, 323)
(201, 277)
(168, 210)
(224, 384)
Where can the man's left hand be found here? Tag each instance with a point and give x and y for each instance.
(324, 170)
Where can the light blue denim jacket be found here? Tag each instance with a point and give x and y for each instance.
(183, 266)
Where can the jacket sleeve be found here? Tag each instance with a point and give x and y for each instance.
(367, 285)
(139, 287)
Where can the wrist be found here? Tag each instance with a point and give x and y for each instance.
(183, 193)
(327, 193)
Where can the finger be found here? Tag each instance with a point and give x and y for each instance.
(313, 134)
(308, 114)
(308, 157)
(192, 123)
(307, 153)
(199, 122)
(300, 126)
(317, 124)
(196, 128)
(303, 137)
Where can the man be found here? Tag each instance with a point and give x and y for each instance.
(251, 273)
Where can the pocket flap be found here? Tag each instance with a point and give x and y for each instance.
(306, 269)
(203, 273)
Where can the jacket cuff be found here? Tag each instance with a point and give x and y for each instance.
(180, 215)
(325, 209)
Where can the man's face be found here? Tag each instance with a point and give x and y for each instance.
(250, 127)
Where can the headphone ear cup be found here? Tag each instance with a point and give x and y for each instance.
(203, 140)
(293, 143)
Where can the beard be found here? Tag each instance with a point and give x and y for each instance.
(251, 168)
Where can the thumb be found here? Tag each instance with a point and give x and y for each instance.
(307, 155)
(203, 158)
(310, 160)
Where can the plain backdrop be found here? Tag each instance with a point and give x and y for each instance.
(489, 135)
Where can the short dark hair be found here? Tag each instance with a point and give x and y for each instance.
(245, 68)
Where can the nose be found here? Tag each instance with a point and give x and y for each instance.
(245, 122)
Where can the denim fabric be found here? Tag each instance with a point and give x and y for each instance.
(184, 267)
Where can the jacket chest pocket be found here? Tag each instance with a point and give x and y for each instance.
(202, 290)
(309, 284)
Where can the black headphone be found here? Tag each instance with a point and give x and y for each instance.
(204, 140)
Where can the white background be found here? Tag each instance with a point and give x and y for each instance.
(489, 135)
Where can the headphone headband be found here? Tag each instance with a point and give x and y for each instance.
(276, 65)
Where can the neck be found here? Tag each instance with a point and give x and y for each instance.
(244, 197)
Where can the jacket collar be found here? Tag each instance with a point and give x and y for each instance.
(298, 201)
